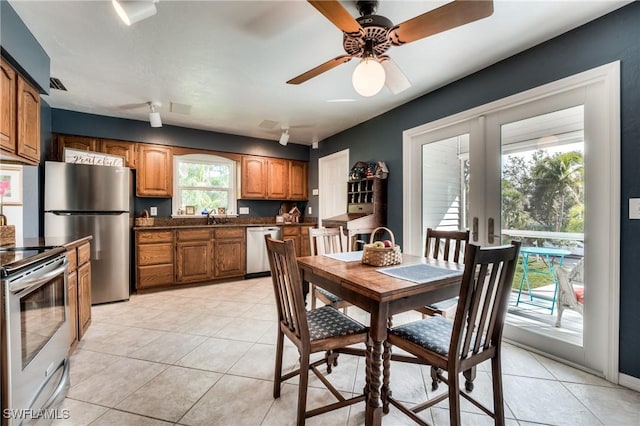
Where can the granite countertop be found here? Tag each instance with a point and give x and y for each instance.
(66, 242)
(179, 224)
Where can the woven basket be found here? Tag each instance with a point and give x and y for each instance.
(144, 219)
(7, 235)
(381, 256)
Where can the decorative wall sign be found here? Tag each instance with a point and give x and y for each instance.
(11, 185)
(76, 156)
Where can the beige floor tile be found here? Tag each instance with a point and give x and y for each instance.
(613, 406)
(545, 401)
(284, 409)
(393, 418)
(441, 418)
(259, 362)
(566, 373)
(118, 339)
(170, 394)
(519, 362)
(249, 330)
(407, 383)
(214, 354)
(85, 363)
(169, 349)
(232, 400)
(342, 377)
(120, 418)
(204, 324)
(229, 308)
(261, 312)
(79, 413)
(113, 384)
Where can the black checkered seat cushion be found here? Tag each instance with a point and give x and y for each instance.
(332, 297)
(327, 322)
(433, 333)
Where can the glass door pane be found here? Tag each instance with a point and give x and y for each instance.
(542, 198)
(445, 182)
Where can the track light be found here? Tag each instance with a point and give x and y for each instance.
(134, 11)
(284, 137)
(154, 116)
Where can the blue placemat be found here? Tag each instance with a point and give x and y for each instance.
(419, 273)
(347, 256)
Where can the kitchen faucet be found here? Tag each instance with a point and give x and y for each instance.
(210, 219)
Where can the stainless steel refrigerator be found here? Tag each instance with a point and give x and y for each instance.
(86, 199)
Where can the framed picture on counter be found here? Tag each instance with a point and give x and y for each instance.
(190, 210)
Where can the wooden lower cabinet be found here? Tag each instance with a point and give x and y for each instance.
(229, 252)
(178, 256)
(78, 291)
(194, 249)
(84, 298)
(300, 236)
(154, 259)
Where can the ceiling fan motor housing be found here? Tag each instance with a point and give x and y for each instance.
(376, 31)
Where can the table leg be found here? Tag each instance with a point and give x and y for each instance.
(378, 335)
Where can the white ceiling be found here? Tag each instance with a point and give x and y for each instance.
(229, 60)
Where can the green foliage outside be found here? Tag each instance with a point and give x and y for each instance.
(204, 185)
(543, 192)
(539, 275)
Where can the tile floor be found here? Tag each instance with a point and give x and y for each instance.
(205, 356)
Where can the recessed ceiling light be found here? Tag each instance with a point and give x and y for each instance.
(341, 100)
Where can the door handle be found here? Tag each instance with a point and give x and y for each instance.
(490, 231)
(474, 232)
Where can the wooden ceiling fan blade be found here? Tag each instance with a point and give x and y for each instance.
(395, 80)
(338, 15)
(330, 64)
(451, 15)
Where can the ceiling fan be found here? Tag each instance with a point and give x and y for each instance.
(370, 36)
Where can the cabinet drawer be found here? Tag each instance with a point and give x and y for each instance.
(152, 276)
(84, 253)
(72, 258)
(230, 233)
(290, 231)
(155, 237)
(155, 254)
(193, 234)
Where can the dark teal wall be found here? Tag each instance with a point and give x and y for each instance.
(614, 37)
(21, 48)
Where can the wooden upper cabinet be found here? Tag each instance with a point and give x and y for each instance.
(298, 180)
(254, 177)
(155, 171)
(80, 143)
(264, 178)
(28, 121)
(278, 178)
(124, 149)
(7, 107)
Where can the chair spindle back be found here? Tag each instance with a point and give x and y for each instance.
(325, 240)
(483, 301)
(287, 286)
(443, 244)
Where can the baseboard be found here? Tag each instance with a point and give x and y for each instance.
(629, 382)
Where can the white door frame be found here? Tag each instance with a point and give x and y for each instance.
(328, 181)
(607, 77)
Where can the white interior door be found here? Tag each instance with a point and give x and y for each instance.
(333, 172)
(539, 122)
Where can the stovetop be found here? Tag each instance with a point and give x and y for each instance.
(14, 259)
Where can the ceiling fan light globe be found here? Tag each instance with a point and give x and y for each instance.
(368, 78)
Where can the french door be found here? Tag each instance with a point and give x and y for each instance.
(540, 167)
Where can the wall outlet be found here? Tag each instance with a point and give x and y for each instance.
(153, 211)
(243, 210)
(634, 208)
(309, 210)
(315, 191)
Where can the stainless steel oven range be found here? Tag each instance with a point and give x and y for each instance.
(35, 333)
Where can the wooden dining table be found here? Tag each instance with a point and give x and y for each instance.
(381, 295)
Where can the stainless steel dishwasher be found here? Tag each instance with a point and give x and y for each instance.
(257, 260)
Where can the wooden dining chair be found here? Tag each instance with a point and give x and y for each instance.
(325, 241)
(320, 330)
(449, 246)
(474, 336)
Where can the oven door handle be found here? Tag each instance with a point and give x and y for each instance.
(35, 283)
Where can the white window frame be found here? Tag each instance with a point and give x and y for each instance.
(204, 159)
